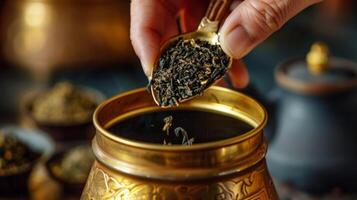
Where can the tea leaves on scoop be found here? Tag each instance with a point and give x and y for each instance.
(186, 69)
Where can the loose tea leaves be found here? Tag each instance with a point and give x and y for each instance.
(168, 124)
(185, 141)
(14, 155)
(186, 69)
(64, 103)
(178, 131)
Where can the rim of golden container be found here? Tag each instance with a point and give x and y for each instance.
(159, 147)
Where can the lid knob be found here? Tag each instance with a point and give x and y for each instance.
(317, 58)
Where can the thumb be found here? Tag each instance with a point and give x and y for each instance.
(252, 21)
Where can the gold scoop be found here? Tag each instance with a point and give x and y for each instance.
(206, 31)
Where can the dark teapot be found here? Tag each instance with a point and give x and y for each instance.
(315, 139)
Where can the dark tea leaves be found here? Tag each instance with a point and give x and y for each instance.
(186, 69)
(167, 125)
(179, 131)
(14, 154)
(185, 141)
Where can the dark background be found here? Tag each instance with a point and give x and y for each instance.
(87, 43)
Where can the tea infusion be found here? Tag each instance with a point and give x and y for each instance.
(186, 69)
(178, 127)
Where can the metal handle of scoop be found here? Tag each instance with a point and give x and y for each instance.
(215, 13)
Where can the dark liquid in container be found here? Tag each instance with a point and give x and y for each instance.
(203, 126)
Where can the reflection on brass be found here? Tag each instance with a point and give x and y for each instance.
(232, 168)
(317, 58)
(42, 35)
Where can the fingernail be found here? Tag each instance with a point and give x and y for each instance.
(147, 69)
(234, 43)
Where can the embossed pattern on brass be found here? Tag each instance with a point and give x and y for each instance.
(105, 184)
(233, 168)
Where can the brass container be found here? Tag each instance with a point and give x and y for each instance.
(233, 168)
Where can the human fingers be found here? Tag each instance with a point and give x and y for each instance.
(237, 75)
(252, 21)
(152, 22)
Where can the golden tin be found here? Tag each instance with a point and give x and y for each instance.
(233, 168)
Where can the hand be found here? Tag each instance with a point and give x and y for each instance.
(249, 23)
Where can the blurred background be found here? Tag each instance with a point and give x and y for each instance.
(86, 43)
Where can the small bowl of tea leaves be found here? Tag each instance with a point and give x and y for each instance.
(64, 111)
(20, 150)
(71, 168)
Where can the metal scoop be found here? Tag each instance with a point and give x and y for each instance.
(206, 31)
